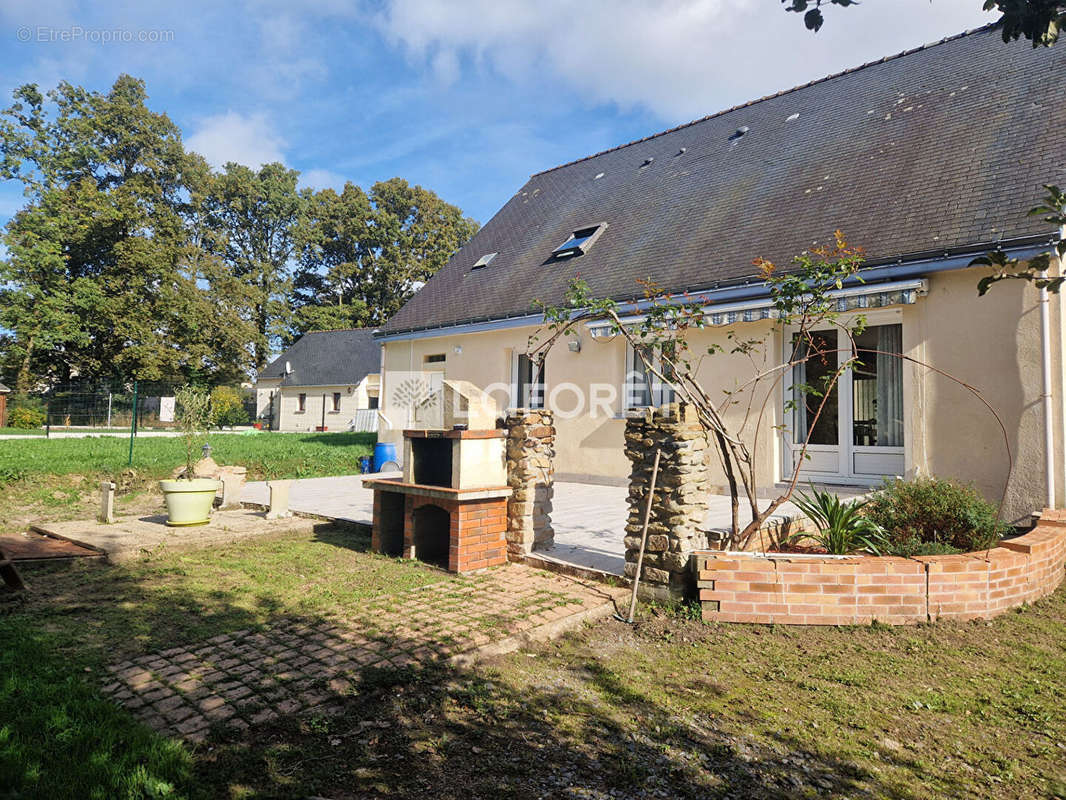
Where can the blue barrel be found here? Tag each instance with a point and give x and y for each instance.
(384, 453)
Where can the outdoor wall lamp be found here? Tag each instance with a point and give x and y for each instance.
(574, 345)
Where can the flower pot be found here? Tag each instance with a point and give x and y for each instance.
(189, 502)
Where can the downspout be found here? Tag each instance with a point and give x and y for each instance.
(1049, 421)
(1062, 350)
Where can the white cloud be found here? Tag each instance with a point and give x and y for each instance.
(286, 58)
(679, 58)
(321, 179)
(250, 140)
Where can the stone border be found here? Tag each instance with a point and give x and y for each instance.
(856, 590)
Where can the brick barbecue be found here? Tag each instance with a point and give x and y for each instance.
(450, 506)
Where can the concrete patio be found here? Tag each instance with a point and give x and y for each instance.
(589, 519)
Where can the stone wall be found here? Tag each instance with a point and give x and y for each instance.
(531, 476)
(675, 528)
(856, 590)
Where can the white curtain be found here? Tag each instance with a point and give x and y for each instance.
(889, 386)
(799, 399)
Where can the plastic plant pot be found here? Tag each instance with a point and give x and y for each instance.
(189, 502)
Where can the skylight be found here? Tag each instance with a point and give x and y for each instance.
(580, 241)
(484, 261)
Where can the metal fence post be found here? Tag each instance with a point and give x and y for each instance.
(133, 423)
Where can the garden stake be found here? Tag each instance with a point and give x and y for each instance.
(643, 538)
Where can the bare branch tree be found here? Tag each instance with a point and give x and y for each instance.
(802, 300)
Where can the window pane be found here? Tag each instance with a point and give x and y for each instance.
(530, 386)
(877, 381)
(809, 379)
(639, 388)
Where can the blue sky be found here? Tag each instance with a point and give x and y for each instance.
(467, 98)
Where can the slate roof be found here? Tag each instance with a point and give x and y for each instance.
(328, 358)
(942, 148)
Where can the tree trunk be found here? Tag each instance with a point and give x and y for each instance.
(22, 379)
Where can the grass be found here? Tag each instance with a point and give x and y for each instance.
(676, 708)
(266, 455)
(60, 738)
(58, 479)
(669, 706)
(21, 431)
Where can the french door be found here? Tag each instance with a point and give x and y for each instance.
(856, 429)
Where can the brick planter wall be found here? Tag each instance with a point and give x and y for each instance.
(855, 590)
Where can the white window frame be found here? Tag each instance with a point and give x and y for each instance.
(537, 400)
(842, 471)
(659, 393)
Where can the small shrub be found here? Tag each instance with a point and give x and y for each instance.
(842, 526)
(928, 516)
(227, 408)
(914, 546)
(194, 415)
(25, 418)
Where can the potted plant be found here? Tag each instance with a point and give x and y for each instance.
(188, 498)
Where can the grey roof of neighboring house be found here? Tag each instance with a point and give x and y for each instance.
(4, 389)
(328, 358)
(942, 148)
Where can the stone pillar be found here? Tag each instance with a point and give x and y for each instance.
(679, 507)
(531, 476)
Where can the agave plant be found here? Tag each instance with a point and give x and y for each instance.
(842, 527)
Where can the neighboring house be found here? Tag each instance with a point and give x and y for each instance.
(326, 379)
(4, 392)
(925, 159)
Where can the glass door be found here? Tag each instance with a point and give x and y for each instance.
(855, 430)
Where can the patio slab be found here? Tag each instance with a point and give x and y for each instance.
(589, 519)
(129, 537)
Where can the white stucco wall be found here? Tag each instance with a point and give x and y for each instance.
(286, 402)
(991, 343)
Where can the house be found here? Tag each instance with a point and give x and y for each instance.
(4, 392)
(926, 159)
(322, 382)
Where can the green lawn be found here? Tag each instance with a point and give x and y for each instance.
(670, 707)
(22, 431)
(266, 455)
(58, 479)
(59, 738)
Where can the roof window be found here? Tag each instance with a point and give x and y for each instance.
(484, 261)
(580, 241)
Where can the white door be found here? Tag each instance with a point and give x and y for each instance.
(858, 436)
